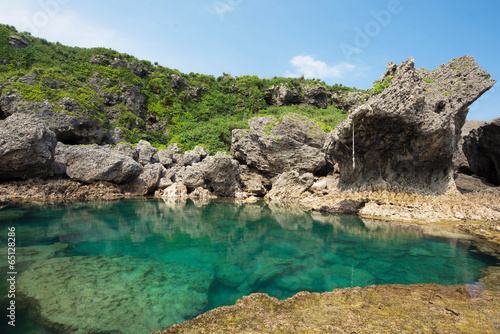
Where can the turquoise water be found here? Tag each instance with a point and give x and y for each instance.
(141, 265)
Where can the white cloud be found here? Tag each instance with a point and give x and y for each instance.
(311, 68)
(222, 7)
(55, 21)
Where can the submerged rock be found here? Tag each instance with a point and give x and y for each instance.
(27, 148)
(482, 149)
(405, 137)
(133, 295)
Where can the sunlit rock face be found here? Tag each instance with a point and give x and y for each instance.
(405, 137)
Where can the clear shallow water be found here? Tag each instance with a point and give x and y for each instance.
(143, 265)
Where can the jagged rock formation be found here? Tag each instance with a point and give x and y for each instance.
(482, 148)
(405, 137)
(277, 145)
(26, 148)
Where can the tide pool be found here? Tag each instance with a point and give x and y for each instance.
(136, 266)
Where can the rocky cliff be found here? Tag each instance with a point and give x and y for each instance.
(404, 138)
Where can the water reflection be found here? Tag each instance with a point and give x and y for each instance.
(238, 249)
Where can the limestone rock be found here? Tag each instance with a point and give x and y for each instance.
(18, 42)
(482, 149)
(196, 155)
(460, 160)
(146, 152)
(94, 163)
(316, 95)
(222, 174)
(191, 176)
(176, 190)
(127, 150)
(372, 309)
(165, 157)
(406, 136)
(252, 181)
(148, 180)
(27, 148)
(290, 186)
(291, 144)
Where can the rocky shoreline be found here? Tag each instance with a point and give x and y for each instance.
(403, 155)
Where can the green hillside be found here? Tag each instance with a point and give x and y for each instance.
(149, 101)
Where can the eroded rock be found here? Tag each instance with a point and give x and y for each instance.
(277, 145)
(405, 137)
(482, 149)
(27, 148)
(97, 163)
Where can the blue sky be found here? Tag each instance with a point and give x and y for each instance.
(347, 42)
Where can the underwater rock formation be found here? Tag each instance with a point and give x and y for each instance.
(133, 295)
(405, 137)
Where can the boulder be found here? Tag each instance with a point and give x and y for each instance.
(96, 163)
(146, 152)
(148, 180)
(27, 148)
(482, 149)
(18, 42)
(221, 173)
(252, 181)
(196, 155)
(316, 95)
(406, 136)
(290, 186)
(276, 145)
(176, 190)
(282, 95)
(165, 157)
(127, 150)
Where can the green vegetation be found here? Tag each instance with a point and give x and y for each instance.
(380, 86)
(428, 80)
(149, 101)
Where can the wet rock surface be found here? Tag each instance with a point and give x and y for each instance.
(405, 137)
(373, 309)
(163, 293)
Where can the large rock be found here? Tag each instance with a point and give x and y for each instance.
(290, 186)
(406, 136)
(26, 148)
(482, 149)
(148, 180)
(97, 163)
(277, 145)
(221, 173)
